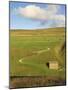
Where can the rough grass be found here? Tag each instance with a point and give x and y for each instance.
(35, 81)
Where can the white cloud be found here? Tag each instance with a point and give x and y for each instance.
(52, 9)
(57, 24)
(32, 11)
(49, 13)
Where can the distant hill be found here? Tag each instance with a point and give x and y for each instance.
(49, 31)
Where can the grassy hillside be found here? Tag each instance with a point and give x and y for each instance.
(30, 50)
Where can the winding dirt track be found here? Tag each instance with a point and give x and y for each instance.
(34, 53)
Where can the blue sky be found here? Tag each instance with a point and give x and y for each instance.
(25, 15)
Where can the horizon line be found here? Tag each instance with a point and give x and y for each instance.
(34, 28)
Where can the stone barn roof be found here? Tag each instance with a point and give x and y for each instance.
(53, 65)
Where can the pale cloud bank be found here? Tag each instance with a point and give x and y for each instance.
(48, 13)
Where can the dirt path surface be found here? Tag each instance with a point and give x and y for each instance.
(34, 53)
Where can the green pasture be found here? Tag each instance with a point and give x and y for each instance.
(26, 45)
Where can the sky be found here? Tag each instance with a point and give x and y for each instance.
(25, 15)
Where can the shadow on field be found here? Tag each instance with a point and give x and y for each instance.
(35, 81)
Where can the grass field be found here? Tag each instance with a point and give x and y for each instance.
(30, 50)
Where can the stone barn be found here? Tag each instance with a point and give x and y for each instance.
(53, 65)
